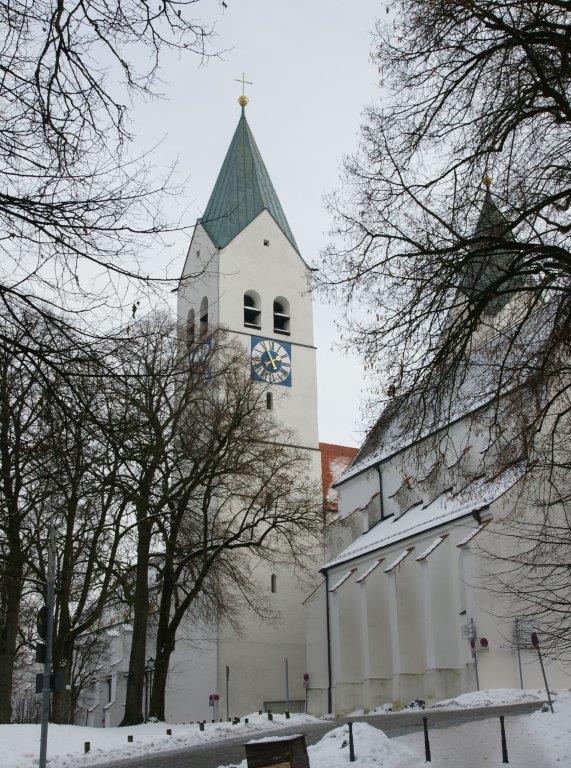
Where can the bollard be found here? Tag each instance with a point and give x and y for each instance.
(130, 739)
(86, 746)
(426, 741)
(246, 720)
(287, 714)
(201, 726)
(351, 745)
(270, 716)
(169, 731)
(504, 742)
(259, 711)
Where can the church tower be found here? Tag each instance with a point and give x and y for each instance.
(244, 273)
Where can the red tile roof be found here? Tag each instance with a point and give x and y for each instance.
(334, 460)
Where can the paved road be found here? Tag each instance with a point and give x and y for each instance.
(231, 751)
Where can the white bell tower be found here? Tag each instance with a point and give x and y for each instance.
(255, 283)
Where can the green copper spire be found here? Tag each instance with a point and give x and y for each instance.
(242, 191)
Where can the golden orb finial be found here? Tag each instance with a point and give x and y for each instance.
(243, 99)
(487, 180)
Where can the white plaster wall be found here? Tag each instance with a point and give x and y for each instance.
(316, 644)
(200, 277)
(273, 271)
(357, 491)
(256, 657)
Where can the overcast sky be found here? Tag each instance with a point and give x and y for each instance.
(312, 76)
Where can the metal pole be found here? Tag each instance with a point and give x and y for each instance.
(517, 640)
(351, 744)
(426, 741)
(286, 683)
(504, 742)
(475, 655)
(545, 679)
(46, 689)
(227, 695)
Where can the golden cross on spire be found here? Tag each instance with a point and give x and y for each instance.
(243, 99)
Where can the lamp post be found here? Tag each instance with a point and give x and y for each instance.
(149, 669)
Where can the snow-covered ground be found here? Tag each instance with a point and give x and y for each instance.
(372, 749)
(538, 739)
(19, 744)
(491, 698)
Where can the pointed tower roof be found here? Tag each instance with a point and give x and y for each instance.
(242, 191)
(485, 269)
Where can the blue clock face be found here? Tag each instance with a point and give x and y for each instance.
(271, 361)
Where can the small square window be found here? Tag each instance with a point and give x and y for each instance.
(266, 243)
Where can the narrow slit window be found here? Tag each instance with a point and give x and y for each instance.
(281, 316)
(252, 310)
(269, 401)
(204, 316)
(190, 328)
(274, 583)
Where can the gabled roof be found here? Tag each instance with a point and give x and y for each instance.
(242, 191)
(334, 461)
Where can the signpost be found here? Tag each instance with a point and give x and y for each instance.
(46, 631)
(227, 694)
(469, 632)
(286, 683)
(306, 687)
(535, 643)
(523, 629)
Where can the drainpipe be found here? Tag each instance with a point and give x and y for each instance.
(329, 682)
(381, 491)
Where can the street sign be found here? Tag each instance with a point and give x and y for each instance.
(469, 630)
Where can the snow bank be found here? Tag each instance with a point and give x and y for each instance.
(372, 749)
(19, 744)
(491, 698)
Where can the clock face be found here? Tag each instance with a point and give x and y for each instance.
(271, 361)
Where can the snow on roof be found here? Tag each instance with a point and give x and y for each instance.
(445, 508)
(334, 461)
(437, 541)
(369, 570)
(413, 416)
(473, 533)
(399, 559)
(342, 580)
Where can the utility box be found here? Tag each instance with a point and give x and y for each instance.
(278, 752)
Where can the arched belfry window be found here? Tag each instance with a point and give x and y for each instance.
(190, 329)
(281, 316)
(204, 316)
(274, 583)
(252, 310)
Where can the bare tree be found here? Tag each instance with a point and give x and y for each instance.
(82, 500)
(465, 290)
(77, 209)
(21, 437)
(196, 466)
(235, 495)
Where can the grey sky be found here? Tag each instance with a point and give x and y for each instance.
(309, 63)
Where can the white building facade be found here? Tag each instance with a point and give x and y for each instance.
(409, 608)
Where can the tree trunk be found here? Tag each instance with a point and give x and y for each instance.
(136, 679)
(9, 636)
(61, 702)
(165, 644)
